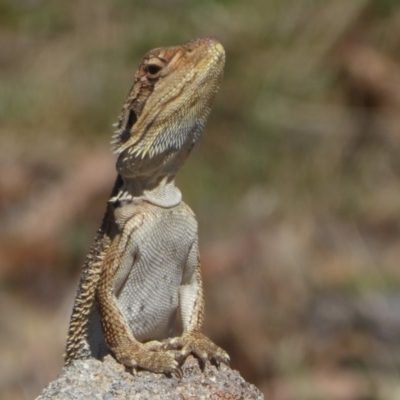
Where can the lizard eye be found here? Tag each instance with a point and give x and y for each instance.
(152, 69)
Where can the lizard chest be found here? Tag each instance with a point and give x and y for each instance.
(153, 265)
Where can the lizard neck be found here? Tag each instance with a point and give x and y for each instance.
(161, 192)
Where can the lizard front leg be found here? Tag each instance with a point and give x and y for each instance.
(118, 262)
(191, 301)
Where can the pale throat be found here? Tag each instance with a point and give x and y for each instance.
(161, 192)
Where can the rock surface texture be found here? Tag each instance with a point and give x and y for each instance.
(108, 380)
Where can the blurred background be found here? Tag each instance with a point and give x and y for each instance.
(296, 184)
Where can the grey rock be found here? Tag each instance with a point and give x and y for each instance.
(108, 380)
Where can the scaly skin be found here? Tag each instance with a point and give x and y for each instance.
(144, 264)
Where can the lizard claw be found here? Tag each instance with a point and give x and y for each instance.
(178, 373)
(197, 343)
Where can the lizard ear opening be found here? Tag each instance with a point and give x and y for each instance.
(126, 132)
(132, 118)
(123, 134)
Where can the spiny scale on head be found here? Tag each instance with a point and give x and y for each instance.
(166, 110)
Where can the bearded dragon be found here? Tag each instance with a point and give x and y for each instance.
(144, 266)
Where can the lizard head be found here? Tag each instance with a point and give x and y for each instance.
(167, 107)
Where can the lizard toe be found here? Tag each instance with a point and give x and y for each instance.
(200, 345)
